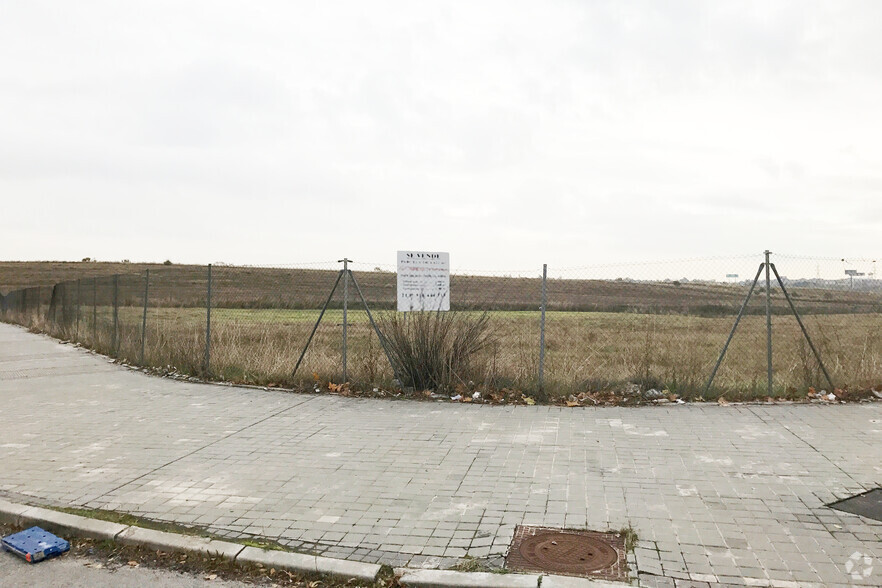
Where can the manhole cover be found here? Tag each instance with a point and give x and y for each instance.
(868, 504)
(569, 552)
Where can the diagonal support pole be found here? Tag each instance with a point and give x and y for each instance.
(380, 335)
(735, 326)
(802, 326)
(315, 328)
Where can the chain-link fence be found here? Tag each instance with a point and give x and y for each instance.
(638, 331)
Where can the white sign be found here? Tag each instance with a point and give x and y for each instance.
(423, 280)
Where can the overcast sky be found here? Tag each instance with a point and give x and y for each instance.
(507, 133)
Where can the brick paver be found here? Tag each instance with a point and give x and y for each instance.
(718, 495)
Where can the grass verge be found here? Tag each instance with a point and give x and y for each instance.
(111, 555)
(134, 520)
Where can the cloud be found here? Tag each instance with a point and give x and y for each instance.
(550, 131)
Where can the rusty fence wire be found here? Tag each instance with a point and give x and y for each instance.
(646, 330)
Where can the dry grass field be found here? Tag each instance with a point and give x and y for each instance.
(298, 288)
(586, 351)
(601, 336)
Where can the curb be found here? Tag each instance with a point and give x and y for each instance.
(571, 582)
(64, 523)
(450, 579)
(163, 541)
(75, 525)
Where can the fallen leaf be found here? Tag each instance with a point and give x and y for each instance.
(210, 577)
(722, 401)
(572, 403)
(134, 564)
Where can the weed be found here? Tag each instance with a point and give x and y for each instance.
(469, 564)
(472, 564)
(435, 350)
(629, 534)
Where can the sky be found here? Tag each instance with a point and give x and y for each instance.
(507, 133)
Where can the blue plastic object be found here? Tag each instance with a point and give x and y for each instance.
(35, 544)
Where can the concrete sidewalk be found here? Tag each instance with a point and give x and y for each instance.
(731, 495)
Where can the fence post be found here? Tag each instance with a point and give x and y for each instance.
(114, 341)
(77, 330)
(345, 308)
(768, 322)
(542, 328)
(51, 313)
(208, 323)
(94, 311)
(144, 317)
(60, 304)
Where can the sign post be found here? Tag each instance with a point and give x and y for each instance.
(423, 280)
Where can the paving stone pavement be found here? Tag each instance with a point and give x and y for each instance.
(719, 496)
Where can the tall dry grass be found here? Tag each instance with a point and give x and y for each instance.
(584, 351)
(436, 350)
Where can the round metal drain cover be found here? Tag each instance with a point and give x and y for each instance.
(567, 553)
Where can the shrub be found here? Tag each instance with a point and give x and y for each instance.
(433, 350)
